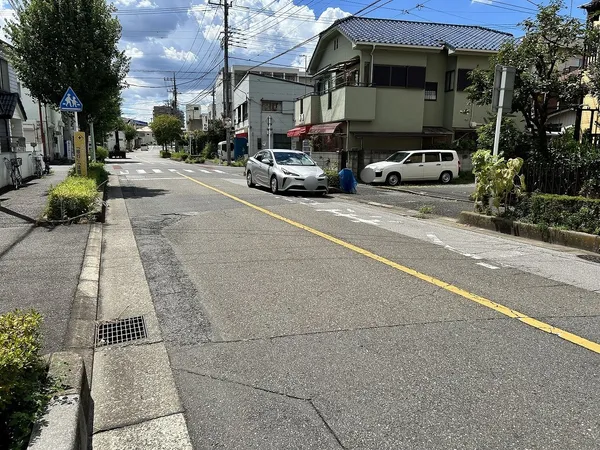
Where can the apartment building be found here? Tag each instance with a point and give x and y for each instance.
(166, 110)
(383, 85)
(264, 110)
(237, 73)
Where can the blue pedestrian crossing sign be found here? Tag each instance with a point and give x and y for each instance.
(70, 102)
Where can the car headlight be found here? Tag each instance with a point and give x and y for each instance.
(321, 175)
(287, 172)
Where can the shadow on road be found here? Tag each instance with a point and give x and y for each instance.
(135, 192)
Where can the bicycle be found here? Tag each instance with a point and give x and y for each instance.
(37, 162)
(13, 165)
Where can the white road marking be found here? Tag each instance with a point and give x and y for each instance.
(141, 171)
(124, 172)
(489, 266)
(188, 170)
(350, 210)
(218, 171)
(236, 181)
(204, 171)
(172, 170)
(157, 170)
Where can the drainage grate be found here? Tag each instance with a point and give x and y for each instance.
(119, 331)
(591, 258)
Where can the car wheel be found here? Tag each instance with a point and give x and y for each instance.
(274, 187)
(446, 177)
(249, 181)
(393, 179)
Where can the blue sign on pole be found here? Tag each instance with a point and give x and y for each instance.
(70, 102)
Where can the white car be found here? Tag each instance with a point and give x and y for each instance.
(144, 147)
(413, 165)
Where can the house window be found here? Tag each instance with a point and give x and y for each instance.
(301, 106)
(245, 110)
(281, 141)
(259, 143)
(329, 99)
(431, 91)
(449, 82)
(399, 76)
(336, 43)
(271, 106)
(196, 108)
(4, 81)
(463, 81)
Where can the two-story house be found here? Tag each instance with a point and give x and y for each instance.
(264, 110)
(382, 85)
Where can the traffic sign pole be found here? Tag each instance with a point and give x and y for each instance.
(500, 108)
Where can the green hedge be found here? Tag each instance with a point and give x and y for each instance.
(571, 213)
(23, 385)
(165, 154)
(333, 178)
(97, 172)
(71, 198)
(101, 154)
(179, 156)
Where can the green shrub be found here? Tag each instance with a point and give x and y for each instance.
(240, 162)
(179, 156)
(591, 188)
(101, 154)
(333, 178)
(165, 154)
(97, 172)
(209, 151)
(71, 198)
(23, 384)
(573, 213)
(194, 160)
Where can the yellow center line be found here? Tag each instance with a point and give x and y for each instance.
(573, 338)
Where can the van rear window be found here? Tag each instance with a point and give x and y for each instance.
(446, 156)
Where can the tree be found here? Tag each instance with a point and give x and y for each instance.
(130, 134)
(166, 129)
(550, 41)
(216, 132)
(62, 43)
(513, 141)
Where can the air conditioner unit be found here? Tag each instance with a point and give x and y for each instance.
(474, 124)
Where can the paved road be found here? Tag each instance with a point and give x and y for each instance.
(300, 322)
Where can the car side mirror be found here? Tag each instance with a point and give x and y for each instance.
(408, 161)
(268, 162)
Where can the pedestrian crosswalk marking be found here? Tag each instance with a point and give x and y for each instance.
(141, 171)
(204, 171)
(188, 170)
(172, 170)
(124, 172)
(218, 171)
(157, 170)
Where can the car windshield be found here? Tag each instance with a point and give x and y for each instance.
(398, 157)
(293, 159)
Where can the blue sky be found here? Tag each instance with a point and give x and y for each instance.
(182, 36)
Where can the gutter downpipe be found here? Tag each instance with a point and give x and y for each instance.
(371, 77)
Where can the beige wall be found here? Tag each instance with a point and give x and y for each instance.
(433, 111)
(325, 54)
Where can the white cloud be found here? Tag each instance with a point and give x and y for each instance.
(133, 52)
(485, 2)
(125, 2)
(179, 55)
(146, 4)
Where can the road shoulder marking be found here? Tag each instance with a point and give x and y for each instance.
(511, 313)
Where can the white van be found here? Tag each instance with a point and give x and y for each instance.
(414, 165)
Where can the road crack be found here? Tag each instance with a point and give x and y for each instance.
(307, 400)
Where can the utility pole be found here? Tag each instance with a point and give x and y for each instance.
(226, 79)
(270, 131)
(214, 106)
(174, 110)
(42, 129)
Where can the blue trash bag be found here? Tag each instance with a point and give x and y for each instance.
(347, 181)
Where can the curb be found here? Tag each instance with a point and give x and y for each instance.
(426, 194)
(575, 239)
(67, 420)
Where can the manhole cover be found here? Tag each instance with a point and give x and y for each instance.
(591, 258)
(119, 331)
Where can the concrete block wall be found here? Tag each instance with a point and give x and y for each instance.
(27, 168)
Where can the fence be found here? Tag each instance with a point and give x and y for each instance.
(559, 179)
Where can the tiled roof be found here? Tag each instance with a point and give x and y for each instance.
(425, 34)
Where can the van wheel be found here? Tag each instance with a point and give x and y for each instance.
(446, 177)
(393, 179)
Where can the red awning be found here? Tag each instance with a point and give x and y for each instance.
(241, 135)
(324, 128)
(298, 131)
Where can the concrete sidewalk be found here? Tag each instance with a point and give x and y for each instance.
(136, 403)
(39, 266)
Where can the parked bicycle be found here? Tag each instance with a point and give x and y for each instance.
(13, 165)
(37, 164)
(47, 165)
